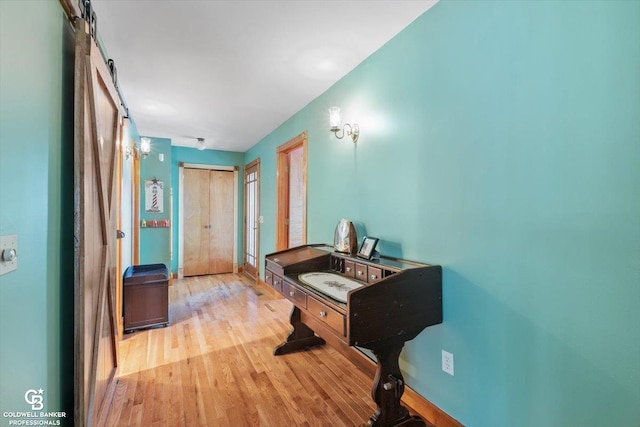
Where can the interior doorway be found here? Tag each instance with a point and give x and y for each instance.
(292, 193)
(207, 215)
(252, 218)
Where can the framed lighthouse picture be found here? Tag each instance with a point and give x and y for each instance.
(153, 196)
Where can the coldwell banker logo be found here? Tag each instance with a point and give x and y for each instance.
(35, 399)
(35, 417)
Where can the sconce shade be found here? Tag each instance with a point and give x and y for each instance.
(145, 146)
(334, 118)
(200, 144)
(334, 121)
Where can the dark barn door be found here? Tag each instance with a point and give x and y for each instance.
(97, 122)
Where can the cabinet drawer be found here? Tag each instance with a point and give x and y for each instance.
(294, 294)
(277, 283)
(328, 316)
(268, 278)
(349, 268)
(361, 272)
(374, 274)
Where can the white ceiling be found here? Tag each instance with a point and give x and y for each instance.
(233, 71)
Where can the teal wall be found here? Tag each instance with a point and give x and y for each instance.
(502, 141)
(154, 242)
(204, 157)
(36, 203)
(499, 139)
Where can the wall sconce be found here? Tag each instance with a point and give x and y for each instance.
(145, 147)
(142, 151)
(334, 121)
(200, 144)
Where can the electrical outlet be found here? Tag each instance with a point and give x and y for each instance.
(447, 362)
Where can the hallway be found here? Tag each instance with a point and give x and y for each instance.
(213, 366)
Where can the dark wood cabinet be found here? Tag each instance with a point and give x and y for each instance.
(146, 296)
(394, 301)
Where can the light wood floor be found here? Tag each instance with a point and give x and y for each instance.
(213, 366)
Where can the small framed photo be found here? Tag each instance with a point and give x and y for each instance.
(367, 247)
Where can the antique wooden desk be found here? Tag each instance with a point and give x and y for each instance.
(395, 301)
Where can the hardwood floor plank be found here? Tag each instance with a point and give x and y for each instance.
(214, 366)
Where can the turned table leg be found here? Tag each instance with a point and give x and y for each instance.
(387, 390)
(300, 337)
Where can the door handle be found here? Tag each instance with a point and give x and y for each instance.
(120, 234)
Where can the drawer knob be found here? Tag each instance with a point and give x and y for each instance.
(323, 314)
(374, 277)
(348, 268)
(360, 273)
(291, 293)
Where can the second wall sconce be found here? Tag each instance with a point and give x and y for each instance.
(334, 121)
(145, 147)
(139, 152)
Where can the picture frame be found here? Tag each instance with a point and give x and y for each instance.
(153, 196)
(367, 248)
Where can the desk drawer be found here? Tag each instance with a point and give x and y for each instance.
(374, 274)
(361, 272)
(329, 316)
(349, 268)
(294, 294)
(277, 283)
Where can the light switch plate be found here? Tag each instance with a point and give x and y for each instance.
(6, 243)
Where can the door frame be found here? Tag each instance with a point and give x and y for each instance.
(135, 214)
(120, 159)
(282, 190)
(255, 163)
(181, 167)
